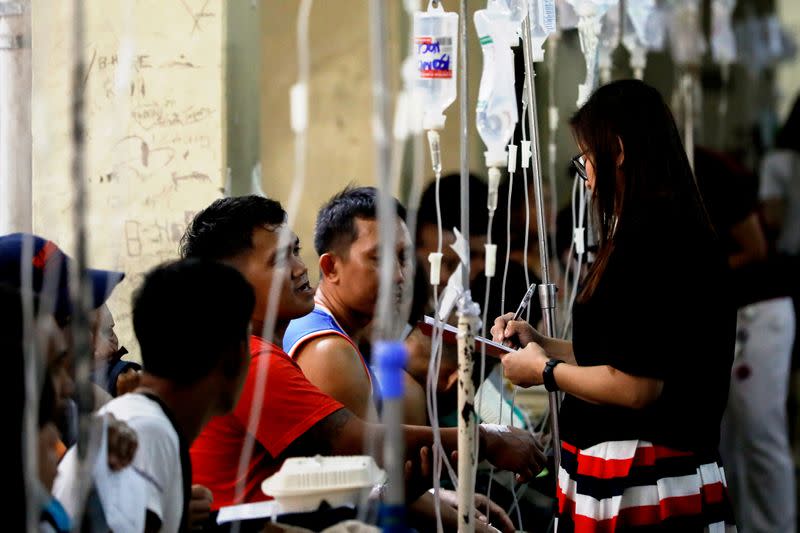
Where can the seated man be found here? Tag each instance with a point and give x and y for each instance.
(281, 414)
(427, 234)
(52, 308)
(325, 342)
(37, 303)
(114, 374)
(192, 320)
(50, 283)
(30, 499)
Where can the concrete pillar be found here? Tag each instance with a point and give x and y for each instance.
(15, 117)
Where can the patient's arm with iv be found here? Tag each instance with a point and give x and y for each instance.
(343, 433)
(518, 334)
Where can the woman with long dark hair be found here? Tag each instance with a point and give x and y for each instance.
(646, 375)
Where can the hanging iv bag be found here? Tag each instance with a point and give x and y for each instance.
(542, 15)
(723, 41)
(517, 9)
(640, 33)
(645, 21)
(590, 13)
(496, 112)
(436, 42)
(567, 18)
(685, 37)
(608, 42)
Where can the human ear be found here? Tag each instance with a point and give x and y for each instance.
(328, 267)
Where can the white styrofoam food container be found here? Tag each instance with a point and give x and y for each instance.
(303, 483)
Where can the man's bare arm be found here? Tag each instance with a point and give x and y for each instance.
(342, 433)
(333, 366)
(329, 437)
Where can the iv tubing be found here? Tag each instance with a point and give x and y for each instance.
(417, 171)
(430, 400)
(573, 293)
(525, 244)
(434, 364)
(464, 124)
(32, 371)
(508, 247)
(78, 276)
(299, 98)
(385, 323)
(552, 48)
(687, 89)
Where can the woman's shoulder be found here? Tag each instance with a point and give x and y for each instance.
(668, 242)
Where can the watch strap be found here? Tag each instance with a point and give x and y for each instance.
(547, 375)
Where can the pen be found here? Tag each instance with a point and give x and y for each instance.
(526, 300)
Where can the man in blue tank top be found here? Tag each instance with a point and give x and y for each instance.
(325, 342)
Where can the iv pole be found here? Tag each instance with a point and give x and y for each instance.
(547, 290)
(390, 354)
(468, 315)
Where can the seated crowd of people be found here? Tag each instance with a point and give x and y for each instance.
(243, 364)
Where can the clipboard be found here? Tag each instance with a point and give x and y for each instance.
(494, 349)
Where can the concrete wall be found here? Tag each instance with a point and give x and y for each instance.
(155, 129)
(340, 146)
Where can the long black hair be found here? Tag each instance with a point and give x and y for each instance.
(631, 118)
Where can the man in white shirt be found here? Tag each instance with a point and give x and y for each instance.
(192, 320)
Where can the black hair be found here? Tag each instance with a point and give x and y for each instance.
(655, 171)
(190, 315)
(449, 193)
(224, 229)
(335, 225)
(420, 297)
(515, 240)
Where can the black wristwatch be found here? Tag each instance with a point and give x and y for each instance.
(547, 375)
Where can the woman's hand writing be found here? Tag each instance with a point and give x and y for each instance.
(514, 333)
(524, 367)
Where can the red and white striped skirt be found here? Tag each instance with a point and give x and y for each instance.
(634, 485)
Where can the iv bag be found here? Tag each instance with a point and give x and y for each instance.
(517, 9)
(542, 14)
(496, 112)
(723, 41)
(775, 38)
(567, 18)
(685, 38)
(639, 14)
(639, 34)
(608, 42)
(436, 41)
(589, 14)
(591, 8)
